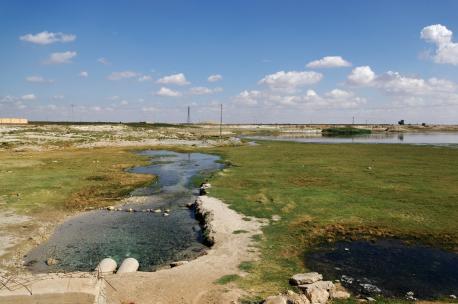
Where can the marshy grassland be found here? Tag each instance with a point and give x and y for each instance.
(310, 193)
(67, 180)
(327, 192)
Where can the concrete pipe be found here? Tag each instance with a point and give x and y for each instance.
(128, 265)
(107, 265)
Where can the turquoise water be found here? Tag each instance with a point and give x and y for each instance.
(153, 239)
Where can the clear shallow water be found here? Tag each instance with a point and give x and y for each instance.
(154, 240)
(390, 265)
(436, 138)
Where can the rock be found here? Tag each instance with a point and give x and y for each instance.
(130, 210)
(370, 289)
(52, 261)
(370, 299)
(110, 208)
(305, 278)
(294, 298)
(107, 265)
(167, 210)
(157, 210)
(340, 294)
(280, 299)
(202, 191)
(346, 279)
(318, 292)
(128, 265)
(452, 296)
(276, 218)
(178, 263)
(165, 214)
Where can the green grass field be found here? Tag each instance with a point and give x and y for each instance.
(325, 192)
(66, 180)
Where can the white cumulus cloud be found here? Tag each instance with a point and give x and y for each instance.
(408, 90)
(62, 57)
(123, 75)
(177, 79)
(361, 75)
(249, 98)
(446, 50)
(214, 78)
(204, 91)
(163, 91)
(145, 78)
(28, 97)
(103, 61)
(290, 81)
(46, 37)
(84, 74)
(334, 99)
(329, 62)
(38, 79)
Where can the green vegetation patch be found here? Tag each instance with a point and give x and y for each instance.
(67, 179)
(227, 279)
(345, 131)
(239, 231)
(324, 193)
(246, 266)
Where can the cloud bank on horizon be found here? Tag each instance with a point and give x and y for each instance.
(327, 88)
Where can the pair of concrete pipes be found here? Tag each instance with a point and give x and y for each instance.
(108, 266)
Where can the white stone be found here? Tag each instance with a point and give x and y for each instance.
(370, 299)
(294, 298)
(340, 294)
(276, 218)
(128, 265)
(280, 299)
(107, 265)
(318, 292)
(305, 278)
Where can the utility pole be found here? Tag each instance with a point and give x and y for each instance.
(353, 120)
(188, 121)
(221, 123)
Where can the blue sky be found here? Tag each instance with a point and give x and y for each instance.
(381, 61)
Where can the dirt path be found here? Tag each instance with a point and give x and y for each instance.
(194, 282)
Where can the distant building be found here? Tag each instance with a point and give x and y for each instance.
(13, 121)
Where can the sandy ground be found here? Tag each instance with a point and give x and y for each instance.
(194, 282)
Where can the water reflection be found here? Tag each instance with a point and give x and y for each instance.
(437, 138)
